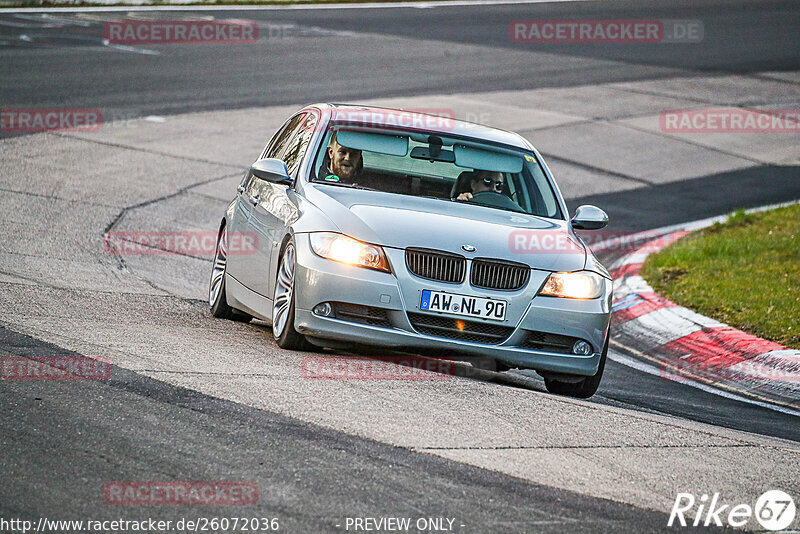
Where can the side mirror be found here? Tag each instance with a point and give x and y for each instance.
(589, 218)
(271, 170)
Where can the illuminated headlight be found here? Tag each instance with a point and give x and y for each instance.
(344, 249)
(579, 285)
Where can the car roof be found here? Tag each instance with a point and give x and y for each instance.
(439, 121)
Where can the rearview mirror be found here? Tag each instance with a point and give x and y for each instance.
(422, 152)
(271, 170)
(589, 218)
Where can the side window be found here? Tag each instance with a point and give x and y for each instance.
(297, 146)
(282, 131)
(278, 146)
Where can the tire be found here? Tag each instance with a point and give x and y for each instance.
(491, 364)
(582, 389)
(283, 303)
(501, 367)
(217, 299)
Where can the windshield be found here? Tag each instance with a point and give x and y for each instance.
(420, 164)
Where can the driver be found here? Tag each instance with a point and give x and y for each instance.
(342, 164)
(484, 181)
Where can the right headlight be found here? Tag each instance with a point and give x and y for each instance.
(345, 249)
(577, 285)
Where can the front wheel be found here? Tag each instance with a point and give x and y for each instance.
(583, 389)
(283, 304)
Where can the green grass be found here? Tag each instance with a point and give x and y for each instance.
(744, 272)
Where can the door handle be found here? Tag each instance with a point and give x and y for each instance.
(254, 200)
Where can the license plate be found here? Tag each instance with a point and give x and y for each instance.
(438, 301)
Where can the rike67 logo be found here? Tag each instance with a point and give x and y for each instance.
(774, 510)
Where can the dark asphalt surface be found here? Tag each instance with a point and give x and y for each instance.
(689, 200)
(62, 441)
(67, 66)
(637, 390)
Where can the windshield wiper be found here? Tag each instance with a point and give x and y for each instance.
(501, 208)
(351, 186)
(448, 199)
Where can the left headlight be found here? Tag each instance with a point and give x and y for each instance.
(578, 285)
(345, 249)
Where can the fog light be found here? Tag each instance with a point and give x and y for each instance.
(324, 309)
(582, 348)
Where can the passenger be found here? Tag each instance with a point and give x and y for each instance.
(341, 164)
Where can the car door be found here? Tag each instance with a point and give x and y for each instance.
(238, 226)
(275, 209)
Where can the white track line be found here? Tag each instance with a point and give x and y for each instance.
(293, 7)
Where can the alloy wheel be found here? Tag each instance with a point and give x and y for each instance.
(284, 289)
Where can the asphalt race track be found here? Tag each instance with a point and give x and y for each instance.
(192, 398)
(348, 55)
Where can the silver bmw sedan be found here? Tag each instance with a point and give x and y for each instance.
(372, 226)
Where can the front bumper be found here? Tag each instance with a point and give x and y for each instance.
(319, 280)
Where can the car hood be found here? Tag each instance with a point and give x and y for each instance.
(402, 221)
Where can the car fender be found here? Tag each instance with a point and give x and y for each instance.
(226, 218)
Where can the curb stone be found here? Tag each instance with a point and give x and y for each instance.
(688, 346)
